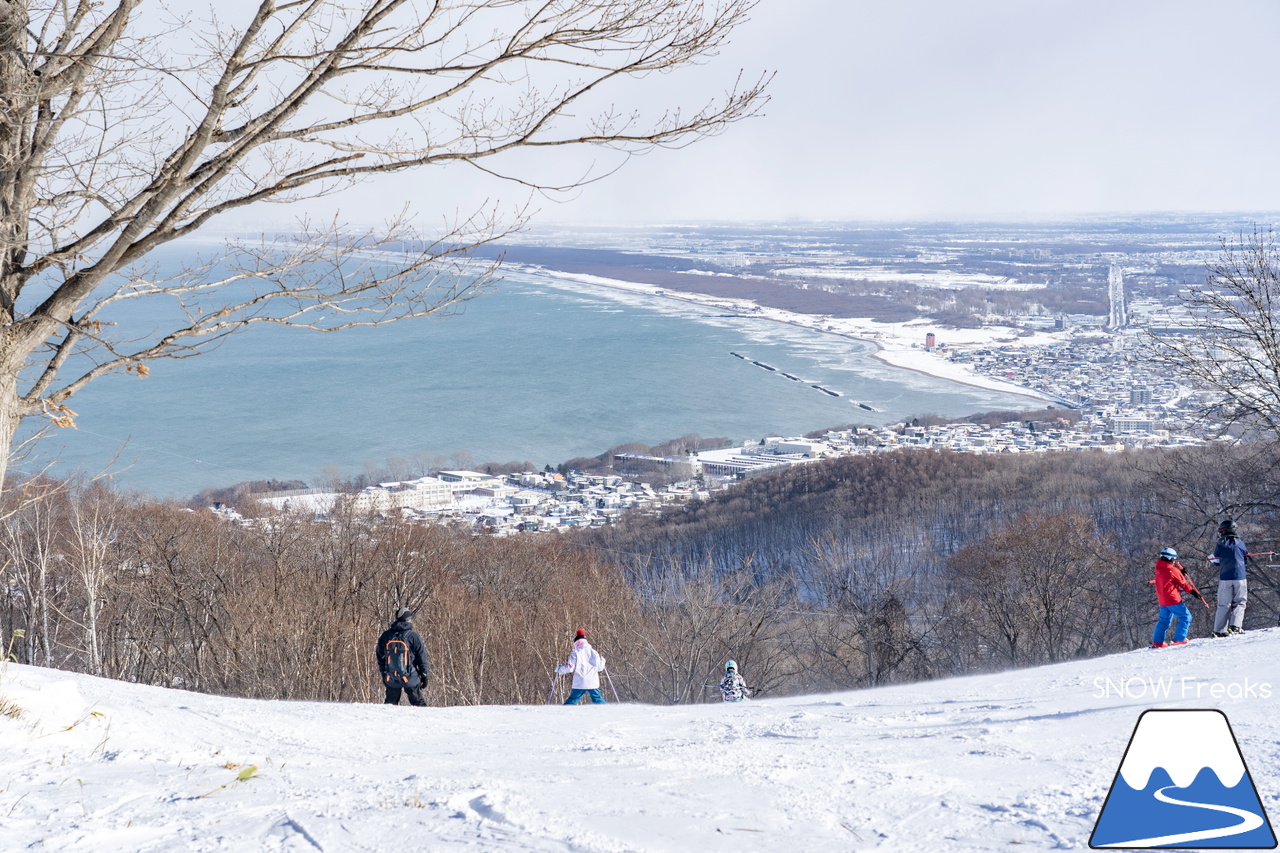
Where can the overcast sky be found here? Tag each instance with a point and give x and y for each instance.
(937, 108)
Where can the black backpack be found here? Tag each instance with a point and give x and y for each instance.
(396, 669)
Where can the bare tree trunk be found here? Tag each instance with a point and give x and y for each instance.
(91, 534)
(16, 85)
(29, 550)
(11, 413)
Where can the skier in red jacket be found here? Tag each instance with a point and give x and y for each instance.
(1171, 581)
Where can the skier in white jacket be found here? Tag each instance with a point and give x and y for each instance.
(585, 663)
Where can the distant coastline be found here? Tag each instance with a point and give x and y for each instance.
(899, 354)
(993, 384)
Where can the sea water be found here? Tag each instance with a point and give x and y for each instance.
(538, 369)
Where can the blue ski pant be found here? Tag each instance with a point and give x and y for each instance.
(1167, 614)
(576, 694)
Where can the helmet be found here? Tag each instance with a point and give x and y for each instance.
(1227, 527)
(731, 665)
(1168, 554)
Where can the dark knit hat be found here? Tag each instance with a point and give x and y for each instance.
(404, 614)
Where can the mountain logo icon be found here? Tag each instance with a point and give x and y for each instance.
(1183, 783)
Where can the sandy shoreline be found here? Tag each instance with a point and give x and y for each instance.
(899, 345)
(974, 381)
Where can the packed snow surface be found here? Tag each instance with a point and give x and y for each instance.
(979, 763)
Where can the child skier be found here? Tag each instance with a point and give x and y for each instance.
(1171, 581)
(732, 687)
(585, 663)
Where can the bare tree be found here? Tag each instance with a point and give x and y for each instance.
(694, 619)
(121, 132)
(1234, 353)
(863, 633)
(1030, 586)
(33, 570)
(92, 532)
(681, 639)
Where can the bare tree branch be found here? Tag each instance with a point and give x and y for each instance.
(122, 132)
(1233, 353)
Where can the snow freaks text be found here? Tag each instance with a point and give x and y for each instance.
(1185, 687)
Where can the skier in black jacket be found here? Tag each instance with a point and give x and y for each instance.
(402, 660)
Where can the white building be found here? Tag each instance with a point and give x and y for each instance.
(466, 481)
(811, 449)
(423, 493)
(743, 461)
(1124, 424)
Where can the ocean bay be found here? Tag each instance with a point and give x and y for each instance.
(539, 369)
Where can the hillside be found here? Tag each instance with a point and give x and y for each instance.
(977, 763)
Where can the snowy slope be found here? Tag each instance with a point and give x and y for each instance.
(975, 763)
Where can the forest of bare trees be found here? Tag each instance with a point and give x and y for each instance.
(922, 563)
(853, 572)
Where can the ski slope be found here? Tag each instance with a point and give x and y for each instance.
(977, 763)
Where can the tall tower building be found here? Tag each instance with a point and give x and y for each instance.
(1119, 316)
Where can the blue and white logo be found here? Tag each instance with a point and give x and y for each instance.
(1183, 783)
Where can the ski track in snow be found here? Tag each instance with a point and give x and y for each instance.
(976, 763)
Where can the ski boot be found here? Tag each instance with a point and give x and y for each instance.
(1158, 645)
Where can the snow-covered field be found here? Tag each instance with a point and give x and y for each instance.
(942, 280)
(980, 763)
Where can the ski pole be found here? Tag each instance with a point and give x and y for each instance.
(611, 687)
(552, 692)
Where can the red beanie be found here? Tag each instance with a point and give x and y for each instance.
(581, 635)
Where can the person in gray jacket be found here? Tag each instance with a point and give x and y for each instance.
(1231, 557)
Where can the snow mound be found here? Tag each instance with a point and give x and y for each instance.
(977, 763)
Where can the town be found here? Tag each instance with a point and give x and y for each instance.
(1123, 406)
(1085, 356)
